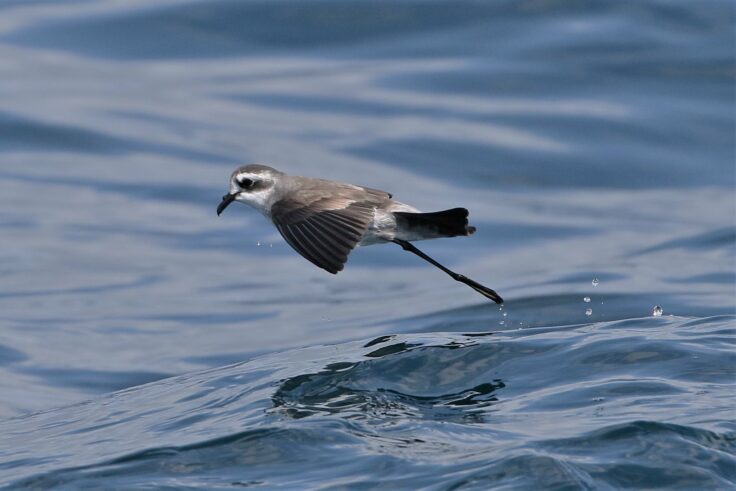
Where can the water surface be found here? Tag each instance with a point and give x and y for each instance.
(589, 141)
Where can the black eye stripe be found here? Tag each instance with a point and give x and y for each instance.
(245, 182)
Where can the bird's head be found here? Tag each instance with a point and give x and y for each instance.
(253, 185)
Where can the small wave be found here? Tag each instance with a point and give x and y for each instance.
(397, 383)
(612, 404)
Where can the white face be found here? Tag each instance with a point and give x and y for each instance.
(253, 185)
(252, 188)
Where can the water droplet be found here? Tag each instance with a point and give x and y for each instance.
(270, 245)
(657, 311)
(595, 281)
(588, 311)
(502, 323)
(258, 244)
(586, 299)
(505, 314)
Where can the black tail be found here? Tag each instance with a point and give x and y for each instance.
(447, 223)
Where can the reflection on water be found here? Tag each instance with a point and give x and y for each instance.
(425, 408)
(401, 388)
(588, 140)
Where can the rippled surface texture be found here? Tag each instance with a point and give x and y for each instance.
(146, 343)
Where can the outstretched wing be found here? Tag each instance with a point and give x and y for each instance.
(325, 222)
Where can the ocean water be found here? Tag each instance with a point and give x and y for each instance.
(146, 343)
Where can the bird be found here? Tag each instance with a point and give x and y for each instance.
(325, 220)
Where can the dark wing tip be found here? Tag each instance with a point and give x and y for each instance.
(321, 232)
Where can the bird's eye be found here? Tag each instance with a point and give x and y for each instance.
(245, 182)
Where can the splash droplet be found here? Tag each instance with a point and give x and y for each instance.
(258, 244)
(586, 299)
(657, 311)
(588, 311)
(505, 314)
(595, 281)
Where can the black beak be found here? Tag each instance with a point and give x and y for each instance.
(226, 200)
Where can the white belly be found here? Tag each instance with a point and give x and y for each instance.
(383, 227)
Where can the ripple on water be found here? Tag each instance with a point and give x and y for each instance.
(635, 403)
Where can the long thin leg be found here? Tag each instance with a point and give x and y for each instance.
(483, 290)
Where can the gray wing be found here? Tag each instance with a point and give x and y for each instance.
(324, 225)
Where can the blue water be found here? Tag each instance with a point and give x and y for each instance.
(147, 344)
